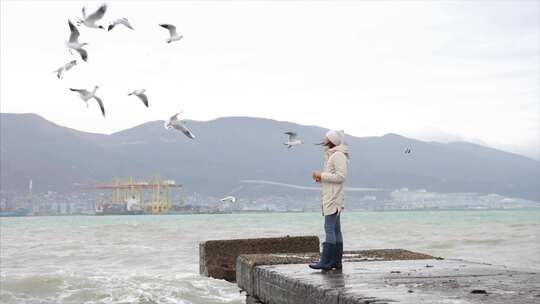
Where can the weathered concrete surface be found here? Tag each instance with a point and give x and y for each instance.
(246, 263)
(376, 282)
(217, 258)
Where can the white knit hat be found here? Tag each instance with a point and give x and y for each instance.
(336, 137)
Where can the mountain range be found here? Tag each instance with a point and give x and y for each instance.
(231, 149)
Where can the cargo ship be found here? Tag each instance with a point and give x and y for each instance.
(130, 207)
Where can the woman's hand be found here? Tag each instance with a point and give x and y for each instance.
(317, 176)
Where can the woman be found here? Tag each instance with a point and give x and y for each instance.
(332, 180)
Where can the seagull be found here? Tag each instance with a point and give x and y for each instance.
(116, 22)
(174, 36)
(408, 151)
(85, 95)
(292, 141)
(60, 71)
(231, 199)
(74, 44)
(179, 125)
(141, 95)
(90, 21)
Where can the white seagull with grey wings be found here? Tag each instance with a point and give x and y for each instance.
(231, 199)
(60, 71)
(179, 125)
(122, 21)
(292, 141)
(174, 36)
(142, 96)
(90, 20)
(86, 95)
(74, 44)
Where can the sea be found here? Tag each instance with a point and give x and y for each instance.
(154, 259)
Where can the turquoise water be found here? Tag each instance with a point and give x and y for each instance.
(154, 259)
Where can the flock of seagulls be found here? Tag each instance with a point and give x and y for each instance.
(94, 21)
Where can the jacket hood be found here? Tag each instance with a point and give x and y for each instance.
(341, 148)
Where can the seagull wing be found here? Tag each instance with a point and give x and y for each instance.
(167, 124)
(171, 28)
(70, 64)
(98, 14)
(59, 72)
(186, 131)
(74, 36)
(100, 102)
(292, 136)
(144, 99)
(174, 117)
(172, 122)
(125, 22)
(83, 53)
(80, 91)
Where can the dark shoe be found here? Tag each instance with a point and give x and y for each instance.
(327, 257)
(339, 256)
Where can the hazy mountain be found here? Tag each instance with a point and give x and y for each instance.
(231, 149)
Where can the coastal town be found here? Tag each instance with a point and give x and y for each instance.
(86, 202)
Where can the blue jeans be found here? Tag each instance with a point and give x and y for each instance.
(332, 228)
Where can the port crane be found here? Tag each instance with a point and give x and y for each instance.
(130, 192)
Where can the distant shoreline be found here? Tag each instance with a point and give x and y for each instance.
(284, 212)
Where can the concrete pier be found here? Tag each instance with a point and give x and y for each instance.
(382, 276)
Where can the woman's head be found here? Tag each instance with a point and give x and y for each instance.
(334, 138)
(327, 143)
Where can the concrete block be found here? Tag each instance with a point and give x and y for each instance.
(217, 258)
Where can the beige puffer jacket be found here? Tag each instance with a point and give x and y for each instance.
(333, 179)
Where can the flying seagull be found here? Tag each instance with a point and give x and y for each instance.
(179, 125)
(66, 67)
(174, 36)
(231, 199)
(90, 20)
(85, 95)
(408, 151)
(116, 22)
(74, 44)
(292, 141)
(141, 95)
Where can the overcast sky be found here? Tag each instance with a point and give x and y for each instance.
(431, 70)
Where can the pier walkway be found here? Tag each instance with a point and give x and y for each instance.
(382, 276)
